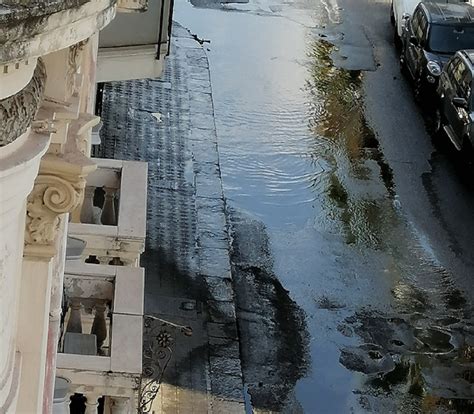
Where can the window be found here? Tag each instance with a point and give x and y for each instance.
(415, 21)
(423, 28)
(448, 39)
(460, 77)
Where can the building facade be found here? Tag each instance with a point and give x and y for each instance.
(71, 286)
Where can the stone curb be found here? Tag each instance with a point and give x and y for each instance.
(226, 386)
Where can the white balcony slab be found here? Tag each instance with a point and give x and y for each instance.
(83, 362)
(127, 338)
(129, 291)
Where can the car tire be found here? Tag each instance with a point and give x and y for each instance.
(403, 64)
(397, 41)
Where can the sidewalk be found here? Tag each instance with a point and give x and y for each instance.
(169, 122)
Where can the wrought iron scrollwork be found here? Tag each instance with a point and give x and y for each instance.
(157, 353)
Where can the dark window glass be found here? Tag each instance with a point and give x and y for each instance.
(422, 28)
(449, 39)
(415, 21)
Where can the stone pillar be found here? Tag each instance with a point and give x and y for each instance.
(99, 326)
(108, 216)
(20, 157)
(55, 317)
(32, 332)
(57, 191)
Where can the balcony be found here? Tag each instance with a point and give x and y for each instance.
(100, 349)
(127, 53)
(112, 218)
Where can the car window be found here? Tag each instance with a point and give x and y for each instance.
(450, 67)
(464, 83)
(462, 78)
(415, 21)
(447, 39)
(422, 29)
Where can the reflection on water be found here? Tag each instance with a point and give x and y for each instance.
(421, 357)
(298, 153)
(337, 118)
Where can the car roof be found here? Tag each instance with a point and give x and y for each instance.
(449, 12)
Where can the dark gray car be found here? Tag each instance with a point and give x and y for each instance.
(431, 36)
(455, 113)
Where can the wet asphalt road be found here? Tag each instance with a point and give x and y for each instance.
(368, 225)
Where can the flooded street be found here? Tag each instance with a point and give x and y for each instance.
(353, 227)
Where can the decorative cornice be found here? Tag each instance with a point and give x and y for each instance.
(37, 28)
(18, 111)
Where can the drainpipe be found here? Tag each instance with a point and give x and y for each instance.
(160, 33)
(170, 26)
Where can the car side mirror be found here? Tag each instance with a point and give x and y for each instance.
(413, 40)
(459, 102)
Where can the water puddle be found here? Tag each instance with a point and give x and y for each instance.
(356, 200)
(389, 330)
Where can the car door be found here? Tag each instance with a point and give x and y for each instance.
(457, 116)
(414, 42)
(446, 87)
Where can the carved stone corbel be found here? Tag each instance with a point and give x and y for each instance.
(51, 197)
(74, 65)
(59, 189)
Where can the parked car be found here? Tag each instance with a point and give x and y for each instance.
(455, 112)
(400, 11)
(430, 37)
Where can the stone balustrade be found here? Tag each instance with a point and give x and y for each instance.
(102, 334)
(112, 218)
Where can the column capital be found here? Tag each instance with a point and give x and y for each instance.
(58, 189)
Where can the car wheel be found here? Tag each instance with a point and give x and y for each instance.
(403, 64)
(397, 41)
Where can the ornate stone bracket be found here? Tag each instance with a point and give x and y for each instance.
(52, 196)
(59, 189)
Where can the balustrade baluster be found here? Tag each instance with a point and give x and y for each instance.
(92, 403)
(116, 262)
(87, 211)
(74, 323)
(108, 216)
(99, 326)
